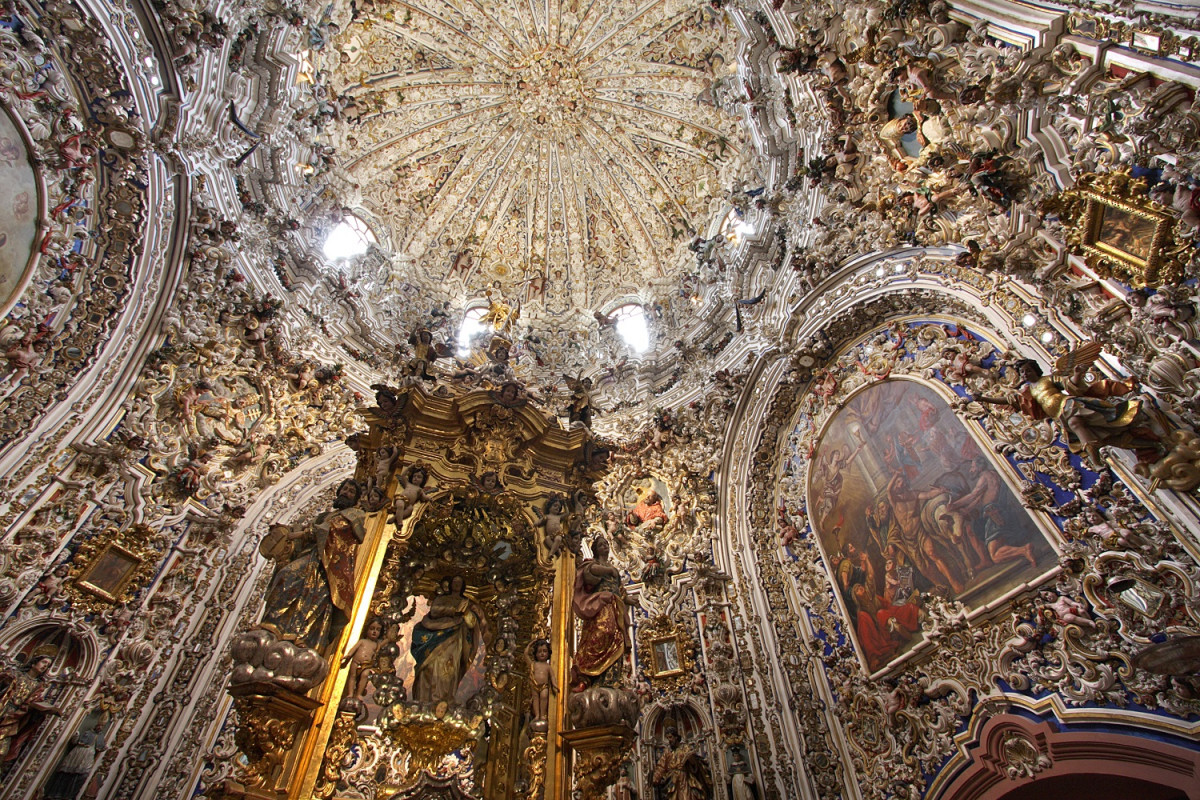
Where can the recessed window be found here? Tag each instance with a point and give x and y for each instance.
(472, 326)
(631, 325)
(349, 238)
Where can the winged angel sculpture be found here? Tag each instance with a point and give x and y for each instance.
(1092, 414)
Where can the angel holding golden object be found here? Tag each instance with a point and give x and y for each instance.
(500, 316)
(1090, 414)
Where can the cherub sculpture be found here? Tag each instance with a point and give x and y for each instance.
(305, 376)
(361, 656)
(553, 519)
(411, 492)
(1066, 610)
(541, 683)
(579, 408)
(960, 362)
(385, 459)
(425, 353)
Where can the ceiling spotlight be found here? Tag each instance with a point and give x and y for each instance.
(1047, 337)
(1029, 320)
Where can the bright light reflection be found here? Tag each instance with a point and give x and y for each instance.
(349, 238)
(470, 328)
(631, 325)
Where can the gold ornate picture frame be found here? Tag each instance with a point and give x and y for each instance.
(110, 572)
(1121, 233)
(109, 568)
(665, 652)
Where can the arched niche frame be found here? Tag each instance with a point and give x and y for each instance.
(75, 654)
(907, 501)
(1010, 752)
(774, 633)
(837, 710)
(692, 721)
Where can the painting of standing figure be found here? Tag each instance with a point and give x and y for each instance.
(906, 503)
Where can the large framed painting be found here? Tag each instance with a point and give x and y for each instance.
(904, 501)
(19, 211)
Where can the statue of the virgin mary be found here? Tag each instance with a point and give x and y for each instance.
(443, 645)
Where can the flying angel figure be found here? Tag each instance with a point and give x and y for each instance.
(1090, 415)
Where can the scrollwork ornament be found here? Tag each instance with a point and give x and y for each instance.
(535, 757)
(341, 740)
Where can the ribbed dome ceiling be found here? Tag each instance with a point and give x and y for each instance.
(559, 151)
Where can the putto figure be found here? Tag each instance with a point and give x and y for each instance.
(541, 683)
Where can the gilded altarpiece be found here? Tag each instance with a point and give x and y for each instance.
(441, 686)
(471, 506)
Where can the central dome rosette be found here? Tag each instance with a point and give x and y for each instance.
(550, 91)
(562, 154)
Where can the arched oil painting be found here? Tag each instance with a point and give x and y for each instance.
(904, 501)
(18, 209)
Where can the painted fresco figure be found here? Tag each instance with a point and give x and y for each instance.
(832, 472)
(648, 512)
(918, 544)
(882, 628)
(982, 488)
(1004, 542)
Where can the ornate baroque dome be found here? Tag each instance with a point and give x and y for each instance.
(564, 153)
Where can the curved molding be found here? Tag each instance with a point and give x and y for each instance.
(1007, 752)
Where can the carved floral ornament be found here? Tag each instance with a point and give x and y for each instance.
(1110, 220)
